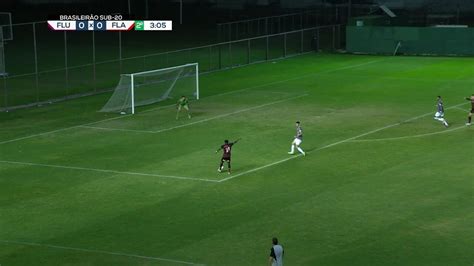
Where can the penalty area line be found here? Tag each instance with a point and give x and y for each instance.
(97, 251)
(107, 171)
(459, 108)
(119, 129)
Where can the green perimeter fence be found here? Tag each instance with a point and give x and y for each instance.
(444, 40)
(47, 66)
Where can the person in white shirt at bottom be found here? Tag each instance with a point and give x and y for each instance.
(276, 254)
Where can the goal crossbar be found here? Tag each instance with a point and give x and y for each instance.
(161, 69)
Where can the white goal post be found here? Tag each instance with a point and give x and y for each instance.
(148, 87)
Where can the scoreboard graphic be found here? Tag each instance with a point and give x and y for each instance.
(111, 25)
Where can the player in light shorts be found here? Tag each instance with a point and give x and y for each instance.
(298, 139)
(439, 115)
(276, 254)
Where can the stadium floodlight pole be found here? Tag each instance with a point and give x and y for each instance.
(132, 92)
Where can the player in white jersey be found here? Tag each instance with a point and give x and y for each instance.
(439, 115)
(276, 254)
(469, 118)
(298, 139)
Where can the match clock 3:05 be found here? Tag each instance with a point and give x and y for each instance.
(154, 25)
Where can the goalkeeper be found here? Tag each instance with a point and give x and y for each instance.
(183, 103)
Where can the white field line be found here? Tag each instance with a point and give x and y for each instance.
(274, 92)
(97, 251)
(215, 95)
(72, 127)
(107, 171)
(412, 136)
(119, 129)
(37, 135)
(202, 120)
(459, 108)
(145, 112)
(331, 145)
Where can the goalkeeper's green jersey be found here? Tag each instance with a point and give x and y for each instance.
(183, 101)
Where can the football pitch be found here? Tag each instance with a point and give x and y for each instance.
(382, 183)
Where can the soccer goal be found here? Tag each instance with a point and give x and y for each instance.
(143, 88)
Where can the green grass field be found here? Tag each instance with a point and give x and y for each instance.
(382, 184)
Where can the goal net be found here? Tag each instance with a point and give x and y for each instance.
(143, 88)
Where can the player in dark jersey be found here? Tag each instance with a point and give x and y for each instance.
(439, 115)
(469, 118)
(227, 148)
